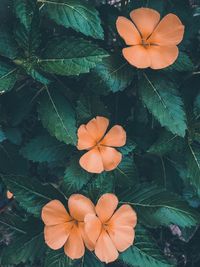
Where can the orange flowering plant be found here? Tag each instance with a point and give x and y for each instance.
(99, 133)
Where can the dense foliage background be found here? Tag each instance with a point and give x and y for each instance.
(60, 66)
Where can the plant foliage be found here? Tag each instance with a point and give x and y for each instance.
(61, 64)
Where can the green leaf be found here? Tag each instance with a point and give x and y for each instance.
(57, 258)
(89, 106)
(197, 106)
(155, 206)
(58, 117)
(128, 148)
(8, 76)
(30, 193)
(112, 75)
(79, 15)
(126, 173)
(161, 98)
(26, 246)
(166, 143)
(8, 46)
(101, 184)
(2, 135)
(183, 63)
(44, 148)
(27, 31)
(75, 177)
(144, 252)
(70, 56)
(193, 166)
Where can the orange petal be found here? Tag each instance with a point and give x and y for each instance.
(88, 243)
(85, 140)
(128, 31)
(122, 237)
(56, 236)
(97, 127)
(92, 227)
(110, 157)
(169, 31)
(74, 247)
(105, 249)
(92, 161)
(162, 56)
(54, 213)
(106, 206)
(79, 206)
(124, 216)
(115, 137)
(137, 56)
(146, 20)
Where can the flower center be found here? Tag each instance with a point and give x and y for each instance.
(145, 43)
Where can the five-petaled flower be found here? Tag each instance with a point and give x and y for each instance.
(153, 43)
(101, 155)
(110, 231)
(102, 229)
(67, 229)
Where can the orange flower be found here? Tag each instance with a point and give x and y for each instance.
(101, 155)
(153, 43)
(67, 229)
(9, 194)
(111, 231)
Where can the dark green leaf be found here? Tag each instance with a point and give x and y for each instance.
(8, 46)
(156, 206)
(183, 63)
(26, 246)
(193, 166)
(126, 173)
(112, 75)
(8, 76)
(30, 193)
(79, 15)
(70, 56)
(161, 98)
(75, 177)
(58, 117)
(44, 148)
(89, 106)
(144, 252)
(166, 143)
(57, 258)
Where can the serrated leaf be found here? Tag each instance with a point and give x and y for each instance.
(166, 143)
(27, 32)
(161, 98)
(128, 148)
(58, 117)
(75, 177)
(79, 15)
(112, 75)
(44, 148)
(30, 193)
(197, 106)
(156, 206)
(8, 46)
(100, 184)
(70, 56)
(126, 173)
(26, 246)
(8, 76)
(57, 258)
(89, 106)
(144, 252)
(193, 166)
